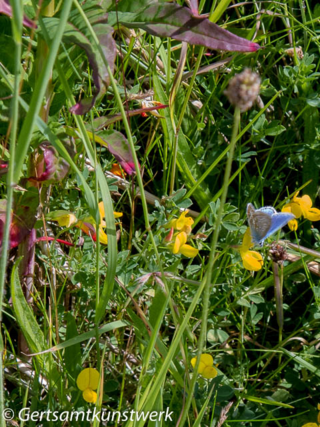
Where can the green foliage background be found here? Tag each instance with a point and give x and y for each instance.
(132, 309)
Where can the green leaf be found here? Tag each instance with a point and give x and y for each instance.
(301, 361)
(187, 164)
(86, 336)
(25, 317)
(243, 302)
(267, 401)
(72, 355)
(100, 76)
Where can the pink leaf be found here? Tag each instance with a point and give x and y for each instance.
(6, 9)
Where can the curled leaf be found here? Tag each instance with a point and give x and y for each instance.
(118, 145)
(49, 166)
(177, 22)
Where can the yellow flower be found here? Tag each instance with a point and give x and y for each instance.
(251, 260)
(87, 225)
(87, 382)
(318, 419)
(182, 223)
(293, 223)
(206, 368)
(67, 220)
(179, 246)
(301, 206)
(63, 218)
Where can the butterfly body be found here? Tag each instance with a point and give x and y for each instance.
(265, 221)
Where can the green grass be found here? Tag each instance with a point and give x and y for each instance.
(132, 309)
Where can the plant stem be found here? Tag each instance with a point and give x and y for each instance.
(17, 36)
(211, 263)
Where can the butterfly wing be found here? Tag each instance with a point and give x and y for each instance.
(260, 222)
(279, 220)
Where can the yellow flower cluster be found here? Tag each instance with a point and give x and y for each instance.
(301, 206)
(314, 424)
(251, 260)
(87, 225)
(87, 382)
(206, 368)
(183, 227)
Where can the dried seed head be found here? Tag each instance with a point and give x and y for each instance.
(243, 89)
(277, 253)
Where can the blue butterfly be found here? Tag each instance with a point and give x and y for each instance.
(265, 221)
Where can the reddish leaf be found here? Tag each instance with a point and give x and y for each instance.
(194, 7)
(119, 147)
(23, 217)
(6, 9)
(177, 22)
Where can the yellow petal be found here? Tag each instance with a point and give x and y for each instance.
(209, 372)
(293, 224)
(251, 260)
(293, 208)
(188, 251)
(305, 201)
(88, 378)
(89, 395)
(202, 365)
(67, 220)
(102, 212)
(193, 361)
(310, 425)
(103, 238)
(180, 240)
(247, 240)
(182, 221)
(313, 214)
(117, 214)
(207, 359)
(318, 406)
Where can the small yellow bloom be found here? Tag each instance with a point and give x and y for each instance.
(102, 212)
(180, 240)
(87, 382)
(188, 251)
(89, 395)
(251, 260)
(313, 214)
(301, 206)
(318, 419)
(206, 368)
(180, 247)
(293, 223)
(67, 220)
(182, 223)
